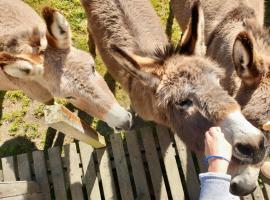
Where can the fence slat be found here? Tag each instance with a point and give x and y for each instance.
(191, 177)
(17, 188)
(137, 166)
(57, 173)
(106, 174)
(168, 154)
(153, 164)
(258, 194)
(8, 169)
(24, 167)
(74, 171)
(41, 173)
(90, 176)
(121, 167)
(248, 197)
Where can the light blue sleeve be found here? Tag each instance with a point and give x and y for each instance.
(215, 186)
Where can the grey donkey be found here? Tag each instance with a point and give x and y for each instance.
(178, 88)
(238, 41)
(41, 61)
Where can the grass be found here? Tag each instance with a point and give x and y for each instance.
(22, 120)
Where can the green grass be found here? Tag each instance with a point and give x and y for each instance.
(24, 124)
(24, 133)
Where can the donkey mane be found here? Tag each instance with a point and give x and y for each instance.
(163, 53)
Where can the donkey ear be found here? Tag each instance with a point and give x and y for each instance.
(133, 65)
(193, 41)
(243, 58)
(58, 30)
(20, 66)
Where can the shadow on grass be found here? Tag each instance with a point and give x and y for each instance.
(17, 145)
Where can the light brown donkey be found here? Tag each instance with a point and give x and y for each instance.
(237, 40)
(165, 86)
(41, 61)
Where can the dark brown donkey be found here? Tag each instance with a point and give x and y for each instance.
(179, 91)
(237, 40)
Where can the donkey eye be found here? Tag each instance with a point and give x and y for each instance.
(185, 104)
(70, 98)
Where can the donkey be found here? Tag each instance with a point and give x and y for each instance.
(237, 40)
(166, 85)
(38, 58)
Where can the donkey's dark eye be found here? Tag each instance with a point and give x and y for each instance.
(185, 103)
(70, 98)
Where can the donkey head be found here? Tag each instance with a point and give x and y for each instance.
(70, 73)
(189, 86)
(252, 63)
(22, 54)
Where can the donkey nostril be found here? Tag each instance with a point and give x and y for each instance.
(244, 149)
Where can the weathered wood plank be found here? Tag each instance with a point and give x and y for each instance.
(8, 169)
(57, 173)
(1, 172)
(33, 196)
(191, 177)
(40, 170)
(258, 194)
(74, 171)
(106, 174)
(168, 154)
(9, 189)
(89, 173)
(137, 166)
(63, 120)
(121, 167)
(248, 197)
(24, 167)
(153, 164)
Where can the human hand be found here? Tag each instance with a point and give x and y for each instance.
(217, 145)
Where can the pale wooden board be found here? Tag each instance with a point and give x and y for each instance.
(106, 174)
(8, 169)
(187, 164)
(121, 167)
(258, 194)
(34, 196)
(41, 173)
(266, 187)
(137, 166)
(63, 120)
(15, 188)
(74, 171)
(153, 164)
(248, 197)
(24, 167)
(168, 154)
(1, 172)
(89, 173)
(1, 175)
(57, 173)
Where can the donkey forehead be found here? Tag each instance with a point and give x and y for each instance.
(191, 67)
